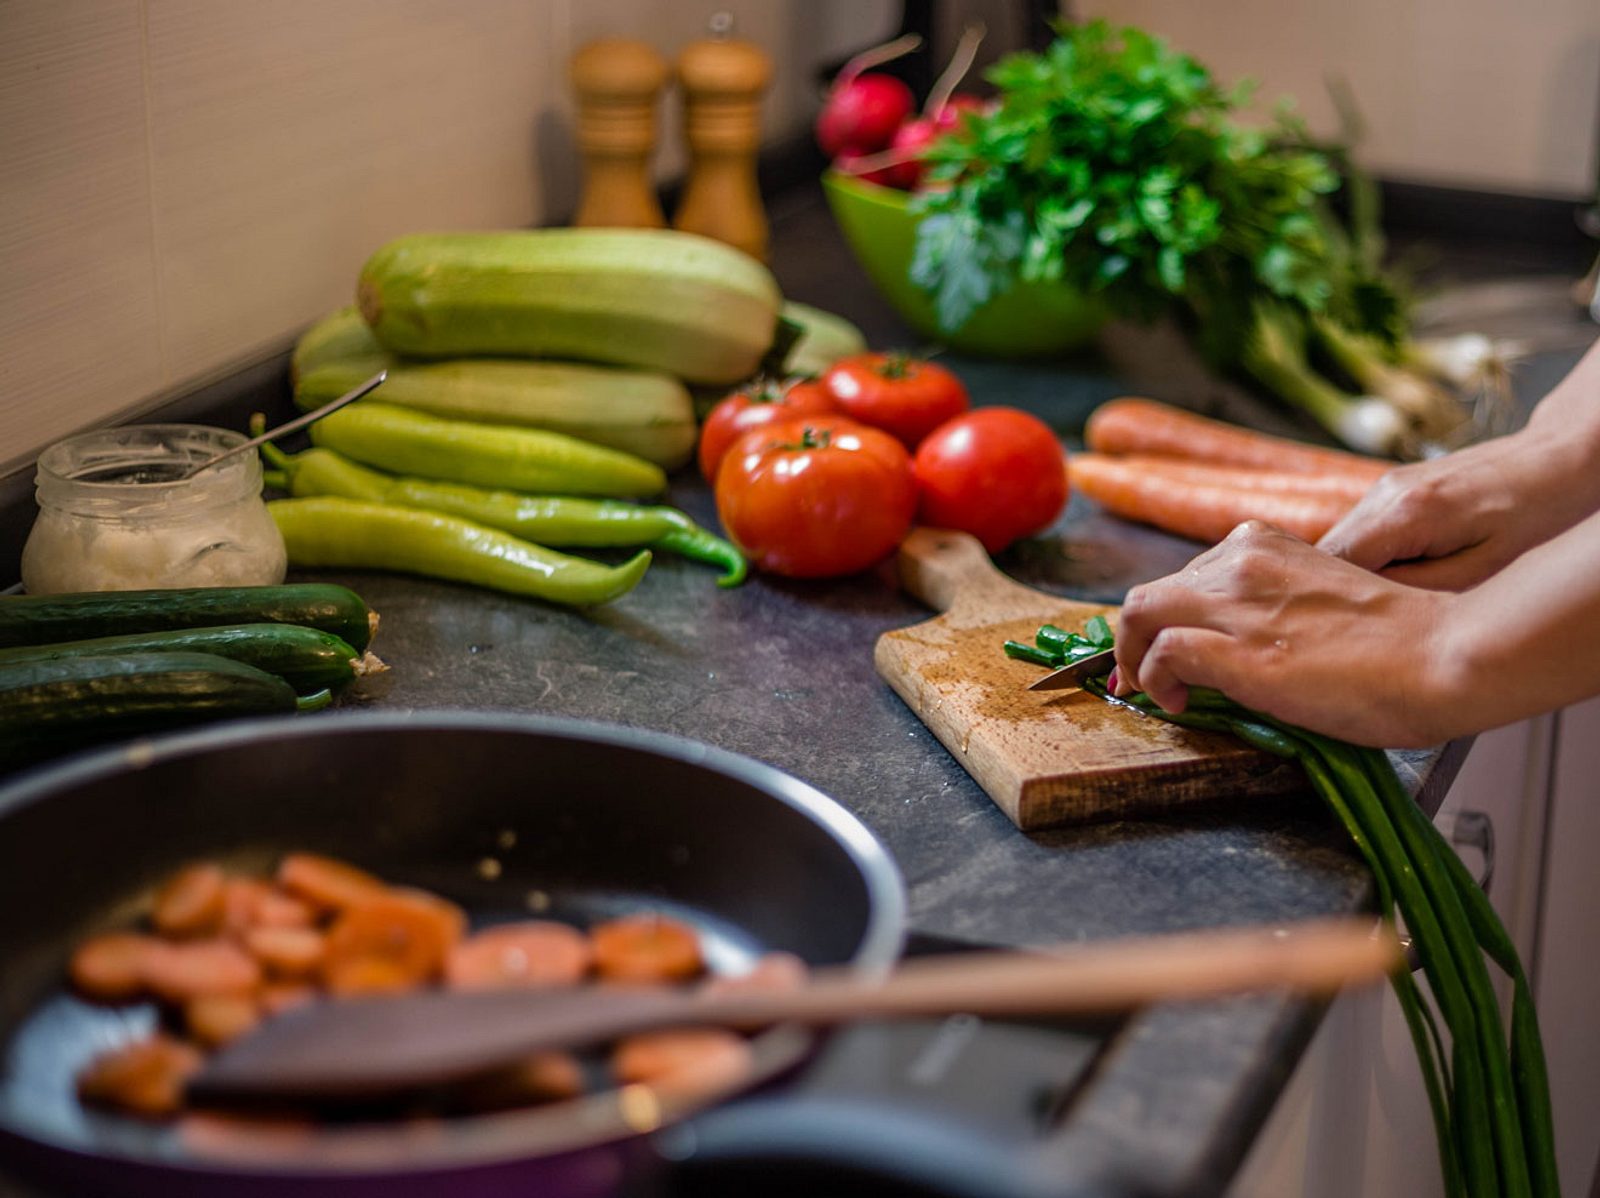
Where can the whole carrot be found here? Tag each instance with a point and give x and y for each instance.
(1331, 485)
(1198, 510)
(1144, 426)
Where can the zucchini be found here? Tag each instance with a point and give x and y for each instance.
(47, 619)
(308, 659)
(341, 336)
(824, 339)
(657, 299)
(646, 414)
(49, 707)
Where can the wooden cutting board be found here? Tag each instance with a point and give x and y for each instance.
(1044, 757)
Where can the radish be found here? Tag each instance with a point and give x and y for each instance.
(863, 111)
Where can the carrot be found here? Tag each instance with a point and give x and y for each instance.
(535, 952)
(645, 948)
(286, 952)
(239, 1136)
(1346, 487)
(1145, 427)
(177, 972)
(278, 997)
(1201, 511)
(112, 967)
(774, 971)
(326, 883)
(543, 1077)
(191, 902)
(215, 1019)
(143, 1078)
(389, 943)
(684, 1060)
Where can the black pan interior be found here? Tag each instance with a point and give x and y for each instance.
(508, 816)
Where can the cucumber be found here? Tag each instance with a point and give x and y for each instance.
(640, 412)
(308, 659)
(47, 619)
(49, 707)
(657, 299)
(341, 336)
(824, 340)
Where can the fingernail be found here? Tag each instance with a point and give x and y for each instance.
(1112, 681)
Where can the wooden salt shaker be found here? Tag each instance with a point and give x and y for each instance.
(723, 82)
(618, 82)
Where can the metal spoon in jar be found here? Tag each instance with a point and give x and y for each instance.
(292, 426)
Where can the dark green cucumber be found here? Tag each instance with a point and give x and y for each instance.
(50, 707)
(308, 659)
(47, 619)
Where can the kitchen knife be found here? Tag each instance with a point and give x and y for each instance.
(1075, 674)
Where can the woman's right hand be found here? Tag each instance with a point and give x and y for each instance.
(1449, 523)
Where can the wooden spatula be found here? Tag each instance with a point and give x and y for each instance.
(362, 1050)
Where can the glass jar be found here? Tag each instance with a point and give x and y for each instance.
(116, 515)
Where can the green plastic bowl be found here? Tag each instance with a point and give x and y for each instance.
(1032, 320)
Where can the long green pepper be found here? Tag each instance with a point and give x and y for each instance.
(559, 521)
(1491, 1105)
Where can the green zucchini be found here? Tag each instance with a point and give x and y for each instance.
(341, 336)
(49, 707)
(308, 659)
(639, 412)
(47, 619)
(657, 299)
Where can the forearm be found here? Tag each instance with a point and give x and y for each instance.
(1526, 640)
(1570, 413)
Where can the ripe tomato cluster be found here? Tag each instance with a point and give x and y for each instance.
(824, 477)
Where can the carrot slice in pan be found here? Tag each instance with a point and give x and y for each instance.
(772, 972)
(215, 1019)
(191, 902)
(393, 942)
(112, 967)
(326, 883)
(178, 972)
(683, 1060)
(278, 997)
(534, 952)
(286, 952)
(645, 948)
(143, 1078)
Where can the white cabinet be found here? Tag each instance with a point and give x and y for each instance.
(1354, 1119)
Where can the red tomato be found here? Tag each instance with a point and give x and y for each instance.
(751, 407)
(997, 473)
(816, 497)
(903, 396)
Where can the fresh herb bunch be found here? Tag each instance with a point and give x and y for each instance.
(1117, 165)
(1488, 1089)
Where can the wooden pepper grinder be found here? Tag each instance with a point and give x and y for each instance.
(618, 82)
(723, 81)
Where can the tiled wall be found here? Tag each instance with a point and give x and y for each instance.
(184, 184)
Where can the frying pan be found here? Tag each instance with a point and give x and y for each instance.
(505, 815)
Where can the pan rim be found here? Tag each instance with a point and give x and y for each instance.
(880, 946)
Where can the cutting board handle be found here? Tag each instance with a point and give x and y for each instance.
(947, 570)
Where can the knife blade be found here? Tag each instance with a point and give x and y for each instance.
(1073, 675)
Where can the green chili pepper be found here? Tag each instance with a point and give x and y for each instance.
(520, 459)
(1028, 653)
(350, 533)
(556, 520)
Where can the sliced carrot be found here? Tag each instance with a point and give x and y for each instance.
(286, 952)
(683, 1060)
(1200, 511)
(229, 1134)
(113, 967)
(1143, 426)
(772, 972)
(177, 972)
(216, 1019)
(326, 883)
(1333, 485)
(144, 1078)
(545, 1077)
(191, 902)
(645, 948)
(451, 913)
(278, 997)
(535, 952)
(392, 942)
(241, 898)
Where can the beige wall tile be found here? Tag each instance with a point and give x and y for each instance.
(79, 336)
(289, 140)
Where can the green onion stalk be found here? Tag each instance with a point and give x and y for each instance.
(1488, 1090)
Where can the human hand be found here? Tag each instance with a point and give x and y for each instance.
(1286, 629)
(1449, 523)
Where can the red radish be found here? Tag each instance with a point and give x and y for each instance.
(862, 111)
